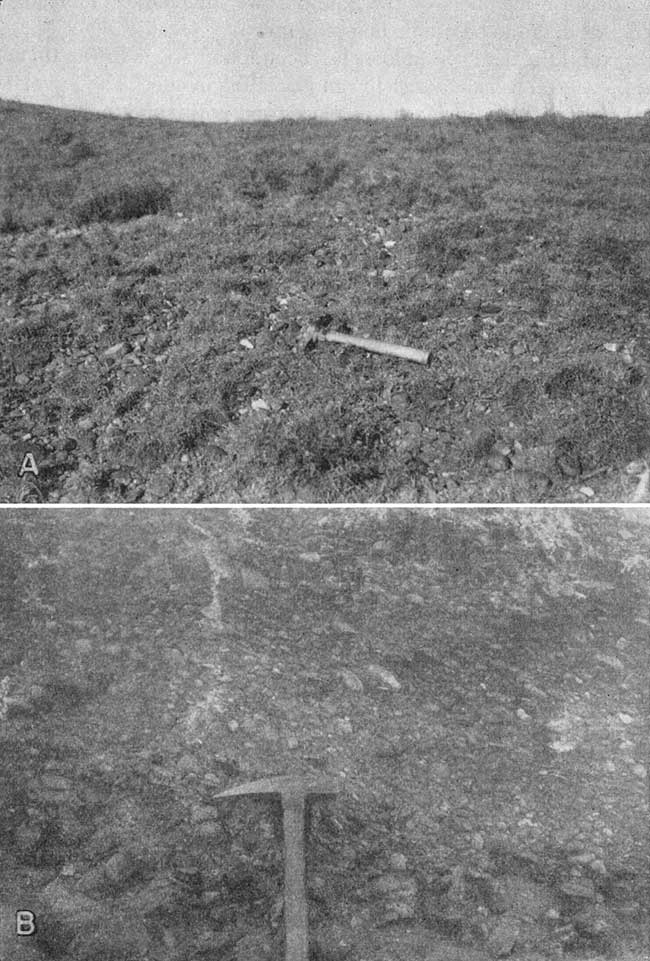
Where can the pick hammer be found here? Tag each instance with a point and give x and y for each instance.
(293, 792)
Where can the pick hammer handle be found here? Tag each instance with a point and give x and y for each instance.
(380, 347)
(295, 901)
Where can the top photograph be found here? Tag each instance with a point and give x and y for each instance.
(324, 253)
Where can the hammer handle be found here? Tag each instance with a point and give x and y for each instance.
(381, 347)
(295, 901)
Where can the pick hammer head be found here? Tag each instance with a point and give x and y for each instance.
(285, 786)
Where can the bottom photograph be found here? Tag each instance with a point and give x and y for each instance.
(324, 734)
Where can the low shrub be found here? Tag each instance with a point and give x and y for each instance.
(78, 151)
(124, 202)
(9, 223)
(531, 278)
(444, 248)
(319, 174)
(57, 134)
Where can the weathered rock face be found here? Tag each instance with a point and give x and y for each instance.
(109, 806)
(127, 907)
(522, 901)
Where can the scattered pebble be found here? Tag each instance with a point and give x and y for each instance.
(351, 681)
(579, 889)
(611, 661)
(254, 580)
(380, 674)
(116, 350)
(415, 599)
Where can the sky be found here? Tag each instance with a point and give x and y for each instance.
(253, 59)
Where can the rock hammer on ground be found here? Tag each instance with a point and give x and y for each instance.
(293, 792)
(311, 333)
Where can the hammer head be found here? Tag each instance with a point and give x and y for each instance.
(285, 786)
(308, 335)
(316, 330)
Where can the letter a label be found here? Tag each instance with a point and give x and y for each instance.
(28, 465)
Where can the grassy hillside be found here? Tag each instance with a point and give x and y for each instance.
(137, 255)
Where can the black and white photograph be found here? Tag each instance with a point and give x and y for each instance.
(335, 735)
(324, 480)
(303, 252)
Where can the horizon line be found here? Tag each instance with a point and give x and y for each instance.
(402, 114)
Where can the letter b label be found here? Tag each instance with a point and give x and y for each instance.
(25, 923)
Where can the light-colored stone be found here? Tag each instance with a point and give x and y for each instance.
(503, 937)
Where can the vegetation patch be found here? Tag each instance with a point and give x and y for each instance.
(124, 202)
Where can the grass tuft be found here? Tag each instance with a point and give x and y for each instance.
(9, 222)
(124, 202)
